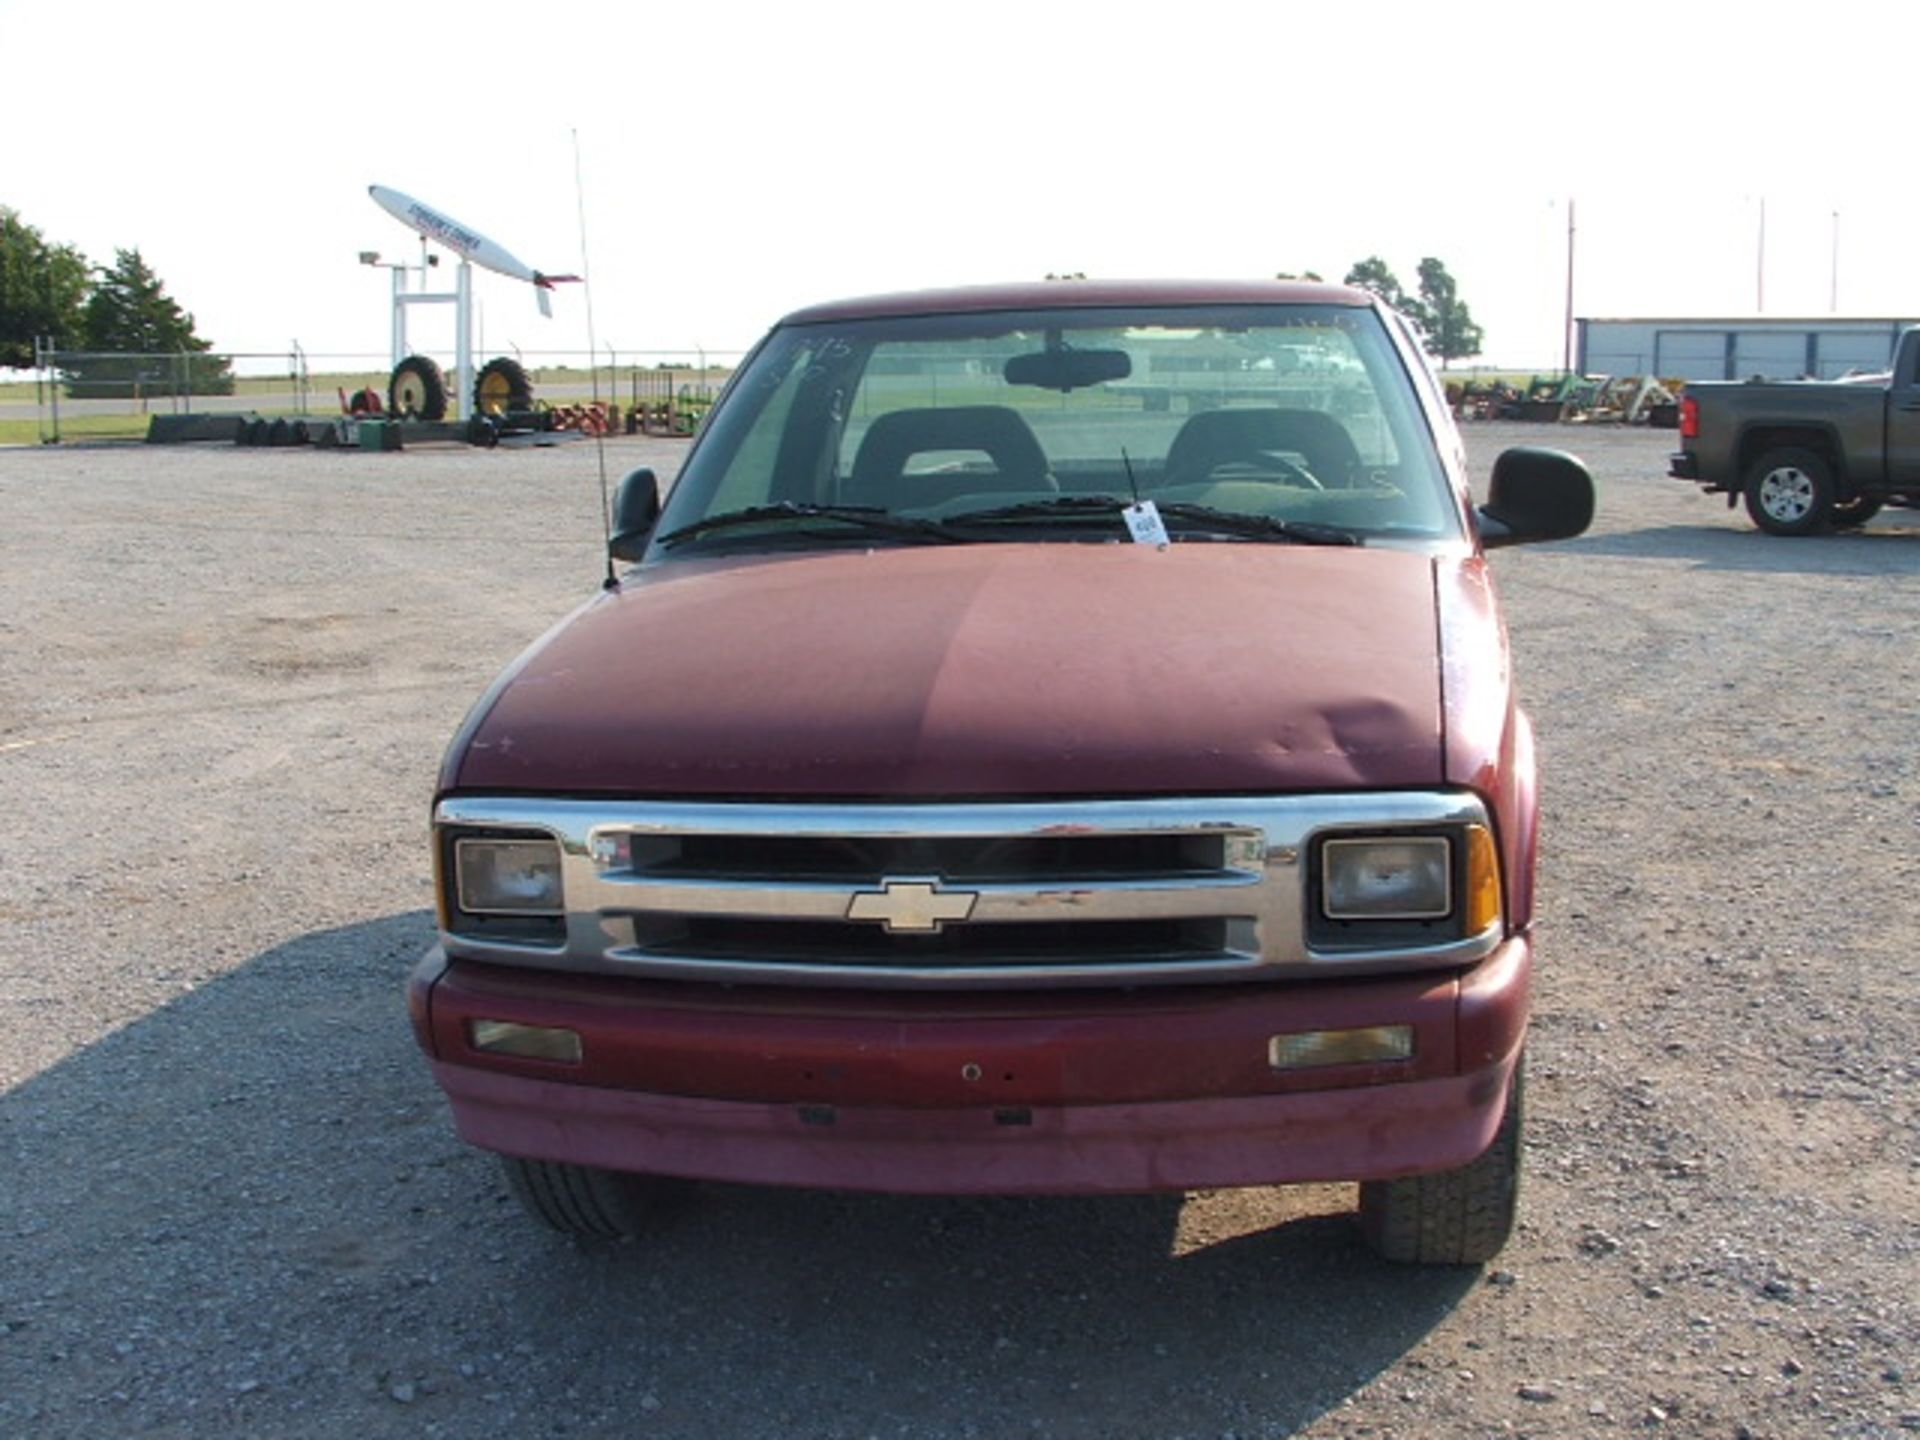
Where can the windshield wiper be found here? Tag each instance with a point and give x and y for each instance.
(1260, 527)
(1228, 522)
(1072, 506)
(871, 517)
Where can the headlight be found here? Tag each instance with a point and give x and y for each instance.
(508, 877)
(1381, 878)
(1404, 891)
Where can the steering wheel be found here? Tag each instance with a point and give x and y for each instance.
(1273, 467)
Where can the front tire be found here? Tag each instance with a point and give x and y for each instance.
(586, 1203)
(1790, 491)
(1452, 1217)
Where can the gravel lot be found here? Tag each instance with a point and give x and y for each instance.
(231, 1202)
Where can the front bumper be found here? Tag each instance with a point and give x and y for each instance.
(979, 1094)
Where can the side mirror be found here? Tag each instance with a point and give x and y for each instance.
(636, 506)
(1536, 494)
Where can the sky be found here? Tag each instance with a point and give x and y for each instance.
(739, 160)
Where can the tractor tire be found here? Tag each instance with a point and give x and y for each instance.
(417, 390)
(502, 386)
(585, 1203)
(1452, 1217)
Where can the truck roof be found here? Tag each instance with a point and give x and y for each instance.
(1081, 294)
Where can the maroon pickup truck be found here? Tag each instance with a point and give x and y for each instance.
(1054, 738)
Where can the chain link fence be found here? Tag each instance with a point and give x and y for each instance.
(96, 394)
(85, 395)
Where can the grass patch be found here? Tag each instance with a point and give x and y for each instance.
(1514, 379)
(77, 427)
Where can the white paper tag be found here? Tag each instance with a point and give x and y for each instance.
(1144, 521)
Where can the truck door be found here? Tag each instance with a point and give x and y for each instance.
(1903, 413)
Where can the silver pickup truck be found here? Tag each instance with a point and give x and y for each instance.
(1807, 455)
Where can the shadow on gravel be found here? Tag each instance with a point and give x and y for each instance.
(1882, 548)
(247, 1214)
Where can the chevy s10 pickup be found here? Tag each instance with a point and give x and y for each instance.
(1052, 738)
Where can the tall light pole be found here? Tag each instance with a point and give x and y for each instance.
(1833, 296)
(1566, 361)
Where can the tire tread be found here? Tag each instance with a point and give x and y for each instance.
(1461, 1216)
(578, 1200)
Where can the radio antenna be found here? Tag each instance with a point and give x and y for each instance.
(612, 581)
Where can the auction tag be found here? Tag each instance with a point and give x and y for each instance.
(1144, 521)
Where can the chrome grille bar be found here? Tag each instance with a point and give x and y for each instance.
(1145, 899)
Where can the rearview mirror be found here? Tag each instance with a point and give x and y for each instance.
(1065, 369)
(1536, 494)
(636, 506)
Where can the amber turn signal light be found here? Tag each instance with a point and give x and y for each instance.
(528, 1042)
(1305, 1049)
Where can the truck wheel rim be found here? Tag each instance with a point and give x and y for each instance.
(1786, 494)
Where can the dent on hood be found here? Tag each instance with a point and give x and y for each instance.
(1370, 738)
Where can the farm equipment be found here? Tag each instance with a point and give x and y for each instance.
(1575, 399)
(417, 387)
(662, 402)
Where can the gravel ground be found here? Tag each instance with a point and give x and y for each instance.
(231, 1202)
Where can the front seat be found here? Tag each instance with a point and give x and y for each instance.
(880, 475)
(1218, 437)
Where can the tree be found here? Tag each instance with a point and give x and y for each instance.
(1448, 330)
(1443, 323)
(1374, 275)
(42, 290)
(146, 335)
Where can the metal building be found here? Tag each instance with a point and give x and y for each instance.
(1774, 349)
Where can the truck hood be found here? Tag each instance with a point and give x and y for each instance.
(980, 671)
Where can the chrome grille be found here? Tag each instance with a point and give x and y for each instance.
(745, 855)
(946, 895)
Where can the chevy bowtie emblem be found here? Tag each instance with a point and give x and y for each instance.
(920, 906)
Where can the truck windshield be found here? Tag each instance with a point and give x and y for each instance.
(1303, 414)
